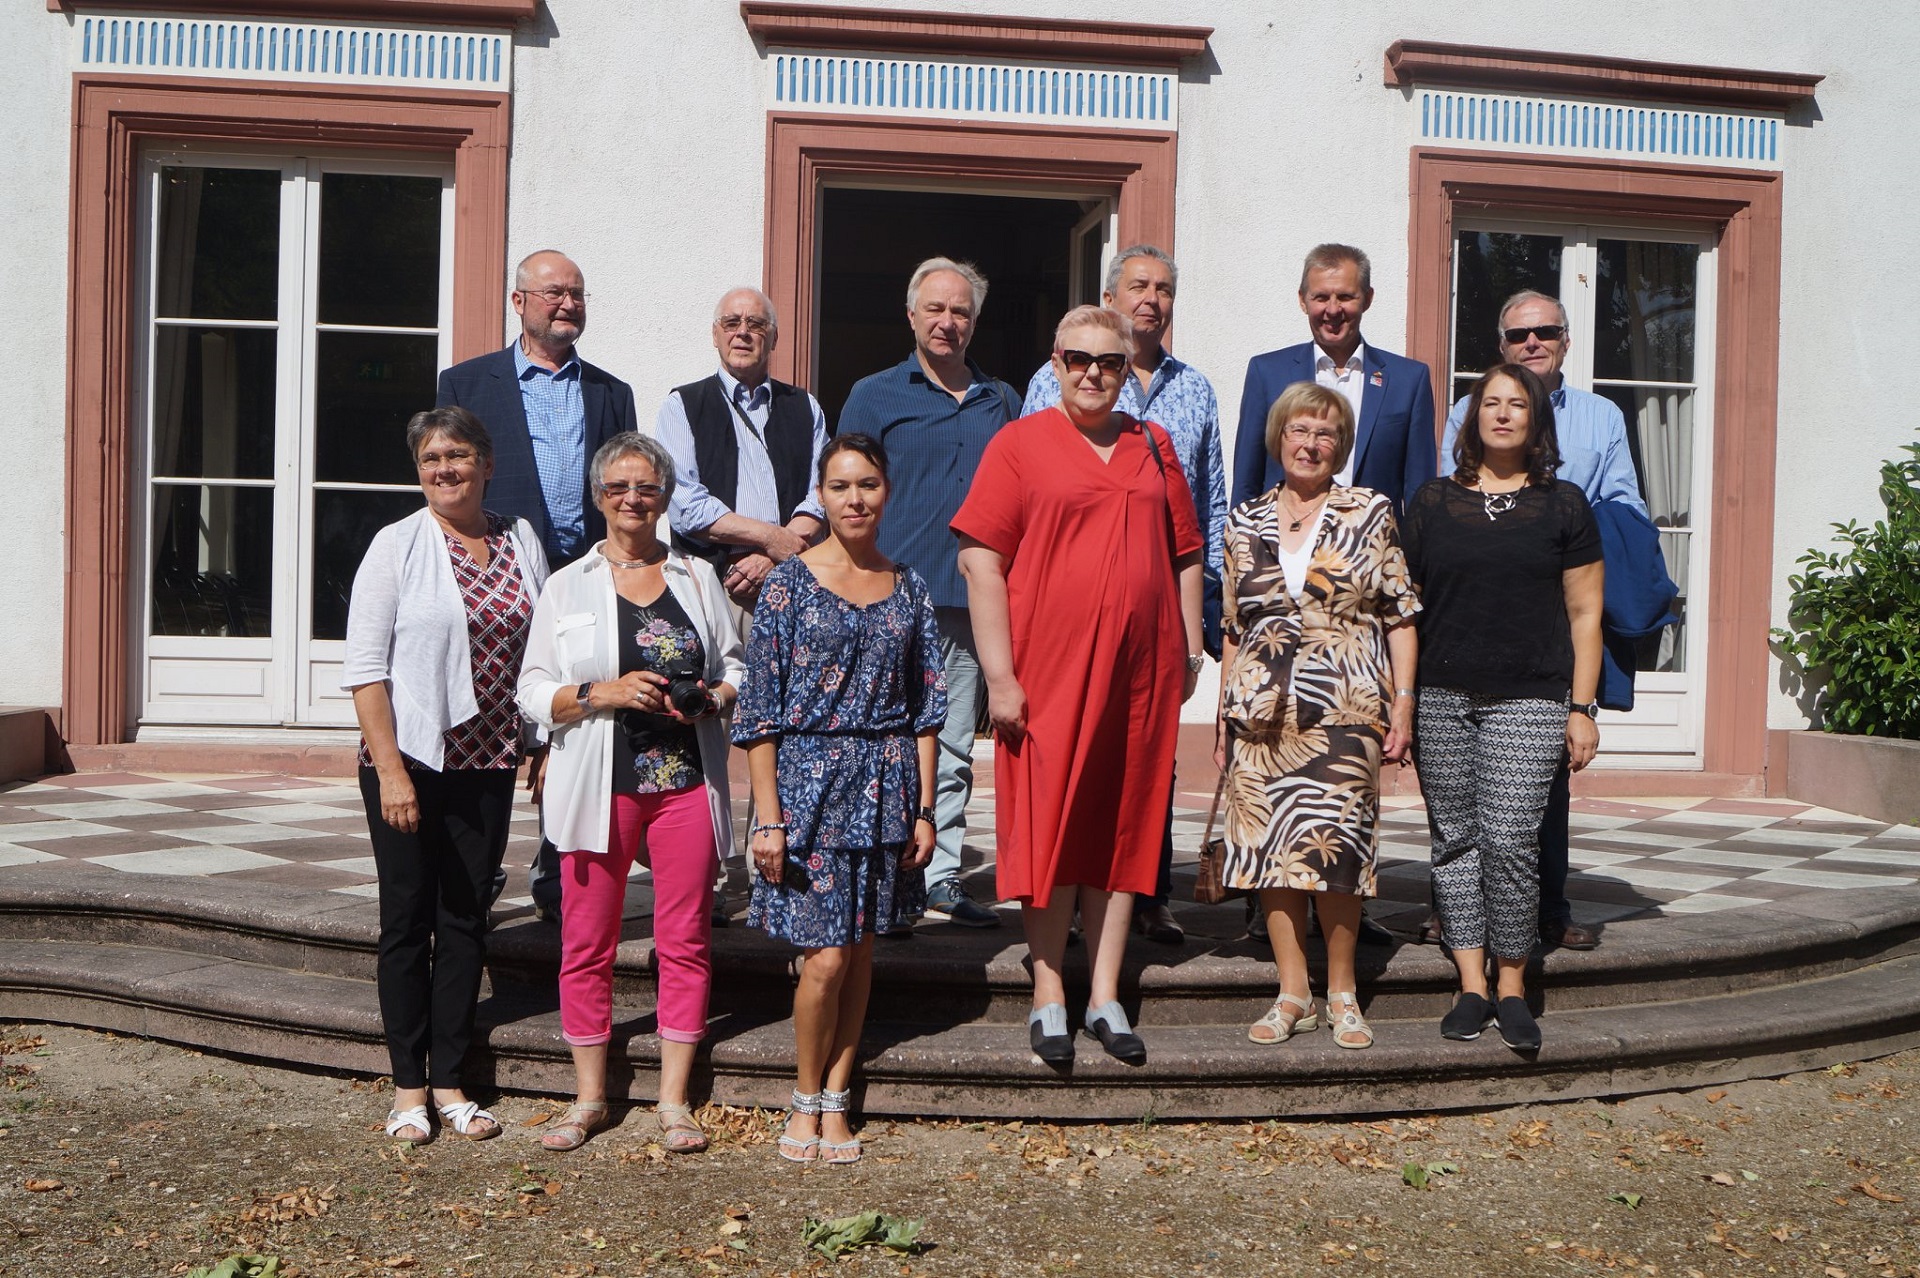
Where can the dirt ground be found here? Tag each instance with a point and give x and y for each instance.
(125, 1157)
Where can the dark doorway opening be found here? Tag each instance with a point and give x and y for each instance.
(872, 239)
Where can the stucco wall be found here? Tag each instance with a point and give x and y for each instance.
(33, 247)
(639, 146)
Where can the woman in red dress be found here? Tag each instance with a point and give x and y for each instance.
(1082, 558)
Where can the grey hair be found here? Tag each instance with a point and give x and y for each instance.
(1125, 255)
(1323, 256)
(453, 421)
(1528, 295)
(520, 271)
(773, 318)
(965, 270)
(631, 443)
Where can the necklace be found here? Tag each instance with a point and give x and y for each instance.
(1497, 504)
(635, 563)
(1295, 525)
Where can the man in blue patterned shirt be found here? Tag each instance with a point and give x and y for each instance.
(1141, 282)
(548, 411)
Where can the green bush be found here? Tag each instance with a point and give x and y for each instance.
(1855, 617)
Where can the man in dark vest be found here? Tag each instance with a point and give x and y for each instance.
(744, 449)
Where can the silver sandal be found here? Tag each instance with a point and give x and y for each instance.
(803, 1150)
(1282, 1023)
(1348, 1022)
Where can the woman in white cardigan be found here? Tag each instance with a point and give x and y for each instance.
(435, 633)
(632, 664)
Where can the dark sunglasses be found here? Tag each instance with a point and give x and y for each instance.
(1545, 332)
(1077, 361)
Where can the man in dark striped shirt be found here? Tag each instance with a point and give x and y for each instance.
(935, 411)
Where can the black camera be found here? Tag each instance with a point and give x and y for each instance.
(685, 692)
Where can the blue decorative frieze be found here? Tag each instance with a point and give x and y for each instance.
(1619, 130)
(303, 51)
(972, 89)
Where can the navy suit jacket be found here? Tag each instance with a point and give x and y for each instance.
(1393, 447)
(487, 387)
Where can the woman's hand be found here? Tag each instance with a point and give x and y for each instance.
(1220, 744)
(1007, 710)
(769, 849)
(1187, 686)
(399, 806)
(634, 690)
(919, 849)
(1583, 740)
(1399, 741)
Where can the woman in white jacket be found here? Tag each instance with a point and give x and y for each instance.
(632, 663)
(435, 632)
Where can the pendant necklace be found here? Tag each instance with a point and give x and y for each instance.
(1497, 504)
(1295, 525)
(635, 563)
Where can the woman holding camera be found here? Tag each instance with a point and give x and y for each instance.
(632, 661)
(841, 722)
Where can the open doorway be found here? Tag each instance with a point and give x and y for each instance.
(1035, 252)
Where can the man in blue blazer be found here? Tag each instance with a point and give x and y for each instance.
(1392, 397)
(548, 411)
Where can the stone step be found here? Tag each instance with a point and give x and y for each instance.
(1215, 978)
(957, 1066)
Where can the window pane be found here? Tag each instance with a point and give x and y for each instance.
(366, 387)
(343, 528)
(1644, 311)
(380, 250)
(218, 256)
(213, 402)
(212, 560)
(1493, 266)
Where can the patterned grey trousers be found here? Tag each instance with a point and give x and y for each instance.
(1486, 764)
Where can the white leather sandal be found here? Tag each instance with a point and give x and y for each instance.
(1283, 1024)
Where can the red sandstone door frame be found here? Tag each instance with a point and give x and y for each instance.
(806, 153)
(1744, 205)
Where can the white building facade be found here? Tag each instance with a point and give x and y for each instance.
(268, 226)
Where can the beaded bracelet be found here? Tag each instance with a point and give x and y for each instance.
(769, 825)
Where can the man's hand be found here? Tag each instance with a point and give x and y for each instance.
(782, 544)
(744, 577)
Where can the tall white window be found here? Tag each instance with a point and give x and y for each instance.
(1640, 315)
(298, 311)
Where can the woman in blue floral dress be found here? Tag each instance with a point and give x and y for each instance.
(840, 717)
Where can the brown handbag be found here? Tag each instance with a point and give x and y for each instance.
(1208, 886)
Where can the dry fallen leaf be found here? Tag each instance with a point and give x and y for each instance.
(42, 1186)
(1871, 1188)
(1720, 1178)
(732, 1227)
(740, 1211)
(1714, 1098)
(544, 1116)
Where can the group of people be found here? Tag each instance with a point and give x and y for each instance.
(845, 606)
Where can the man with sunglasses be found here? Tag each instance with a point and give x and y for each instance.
(548, 411)
(1594, 454)
(1160, 388)
(935, 411)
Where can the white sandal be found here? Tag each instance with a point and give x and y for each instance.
(1349, 1022)
(464, 1116)
(398, 1120)
(1283, 1023)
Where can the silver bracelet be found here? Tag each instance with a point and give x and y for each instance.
(1403, 692)
(768, 825)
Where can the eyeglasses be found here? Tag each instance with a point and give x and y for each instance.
(1077, 361)
(645, 492)
(755, 324)
(1545, 332)
(454, 457)
(555, 296)
(1296, 433)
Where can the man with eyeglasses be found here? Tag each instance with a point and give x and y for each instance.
(1391, 397)
(1160, 388)
(1594, 454)
(935, 411)
(548, 411)
(744, 450)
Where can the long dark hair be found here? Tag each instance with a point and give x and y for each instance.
(1543, 442)
(866, 445)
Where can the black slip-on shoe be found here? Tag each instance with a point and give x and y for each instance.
(1470, 1014)
(1518, 1029)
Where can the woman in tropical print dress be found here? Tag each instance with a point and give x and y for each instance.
(1319, 657)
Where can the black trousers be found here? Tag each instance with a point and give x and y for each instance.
(1555, 847)
(435, 886)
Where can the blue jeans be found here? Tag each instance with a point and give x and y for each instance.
(953, 769)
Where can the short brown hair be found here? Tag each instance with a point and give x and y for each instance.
(453, 421)
(1311, 399)
(1325, 256)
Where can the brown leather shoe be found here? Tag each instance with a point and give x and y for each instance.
(1569, 936)
(1430, 930)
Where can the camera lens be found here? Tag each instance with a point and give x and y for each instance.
(687, 696)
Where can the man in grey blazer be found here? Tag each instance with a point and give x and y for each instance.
(548, 411)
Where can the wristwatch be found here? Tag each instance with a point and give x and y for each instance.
(1591, 709)
(1194, 661)
(584, 697)
(926, 814)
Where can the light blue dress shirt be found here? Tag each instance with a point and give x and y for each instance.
(693, 509)
(1593, 445)
(1180, 399)
(557, 425)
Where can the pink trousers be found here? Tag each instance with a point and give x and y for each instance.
(672, 834)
